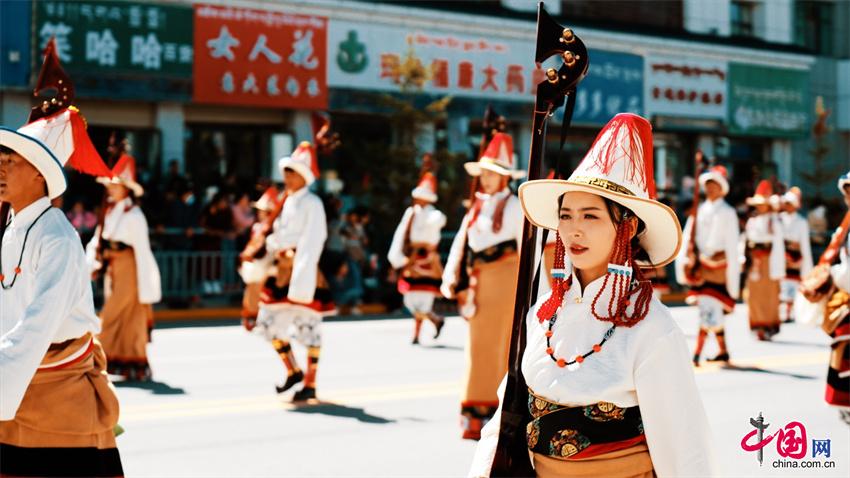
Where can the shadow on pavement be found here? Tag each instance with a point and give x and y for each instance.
(336, 410)
(443, 347)
(157, 388)
(737, 368)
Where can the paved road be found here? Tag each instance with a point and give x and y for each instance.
(391, 409)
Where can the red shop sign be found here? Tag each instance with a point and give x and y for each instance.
(260, 58)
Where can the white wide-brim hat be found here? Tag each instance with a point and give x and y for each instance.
(474, 168)
(619, 167)
(298, 167)
(661, 238)
(39, 155)
(716, 177)
(137, 188)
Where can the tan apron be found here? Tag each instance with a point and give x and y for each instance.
(124, 333)
(69, 402)
(632, 462)
(490, 330)
(762, 294)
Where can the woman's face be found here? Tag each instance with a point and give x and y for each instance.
(587, 232)
(117, 192)
(491, 182)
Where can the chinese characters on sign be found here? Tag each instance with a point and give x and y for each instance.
(368, 56)
(262, 58)
(121, 37)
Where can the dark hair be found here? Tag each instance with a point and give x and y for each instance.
(618, 213)
(6, 150)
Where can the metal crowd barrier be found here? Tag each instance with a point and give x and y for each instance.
(198, 274)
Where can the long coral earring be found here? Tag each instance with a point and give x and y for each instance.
(560, 283)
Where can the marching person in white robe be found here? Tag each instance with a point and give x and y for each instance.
(121, 249)
(294, 300)
(414, 252)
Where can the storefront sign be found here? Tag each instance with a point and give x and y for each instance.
(614, 84)
(261, 58)
(367, 57)
(102, 37)
(686, 87)
(766, 101)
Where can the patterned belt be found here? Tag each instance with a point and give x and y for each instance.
(566, 432)
(492, 253)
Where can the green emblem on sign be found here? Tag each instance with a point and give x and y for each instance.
(351, 57)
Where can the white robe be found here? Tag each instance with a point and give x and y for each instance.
(51, 301)
(131, 228)
(646, 365)
(300, 226)
(758, 230)
(717, 231)
(427, 225)
(481, 236)
(796, 229)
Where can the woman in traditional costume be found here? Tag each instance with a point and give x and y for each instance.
(765, 263)
(132, 281)
(488, 240)
(611, 390)
(414, 252)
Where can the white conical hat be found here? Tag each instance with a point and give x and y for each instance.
(304, 161)
(617, 167)
(426, 190)
(498, 157)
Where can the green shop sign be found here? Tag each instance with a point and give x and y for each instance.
(766, 101)
(118, 37)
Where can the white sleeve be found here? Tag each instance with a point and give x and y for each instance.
(273, 243)
(450, 277)
(674, 420)
(733, 265)
(805, 248)
(302, 287)
(485, 452)
(57, 287)
(396, 253)
(91, 251)
(147, 271)
(682, 257)
(777, 251)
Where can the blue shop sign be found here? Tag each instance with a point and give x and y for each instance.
(613, 85)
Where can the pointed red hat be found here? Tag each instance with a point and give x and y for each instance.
(498, 157)
(55, 135)
(426, 190)
(124, 173)
(764, 191)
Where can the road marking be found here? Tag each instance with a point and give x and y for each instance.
(262, 403)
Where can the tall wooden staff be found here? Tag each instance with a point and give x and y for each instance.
(552, 39)
(693, 266)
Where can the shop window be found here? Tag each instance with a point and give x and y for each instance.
(814, 25)
(742, 17)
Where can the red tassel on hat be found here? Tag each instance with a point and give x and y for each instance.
(635, 149)
(85, 157)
